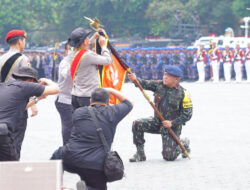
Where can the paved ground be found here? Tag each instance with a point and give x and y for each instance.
(219, 133)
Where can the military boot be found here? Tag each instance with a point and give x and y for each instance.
(185, 142)
(139, 155)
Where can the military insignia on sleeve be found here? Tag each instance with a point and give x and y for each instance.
(187, 103)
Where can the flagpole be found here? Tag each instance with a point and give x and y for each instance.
(95, 25)
(54, 60)
(123, 64)
(126, 67)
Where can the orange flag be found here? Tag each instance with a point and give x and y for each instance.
(112, 75)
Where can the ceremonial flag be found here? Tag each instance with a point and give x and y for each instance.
(112, 75)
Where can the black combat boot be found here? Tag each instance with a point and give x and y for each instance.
(140, 154)
(185, 142)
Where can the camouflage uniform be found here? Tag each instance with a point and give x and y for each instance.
(175, 105)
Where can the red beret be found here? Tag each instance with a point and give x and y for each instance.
(14, 33)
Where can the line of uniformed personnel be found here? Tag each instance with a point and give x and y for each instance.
(218, 64)
(215, 64)
(232, 63)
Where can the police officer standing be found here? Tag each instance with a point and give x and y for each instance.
(84, 70)
(174, 103)
(64, 98)
(11, 62)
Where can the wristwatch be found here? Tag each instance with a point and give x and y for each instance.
(34, 98)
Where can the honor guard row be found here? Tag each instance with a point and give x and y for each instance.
(216, 63)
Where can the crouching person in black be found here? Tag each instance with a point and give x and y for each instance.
(84, 153)
(14, 100)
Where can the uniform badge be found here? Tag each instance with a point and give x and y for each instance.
(187, 103)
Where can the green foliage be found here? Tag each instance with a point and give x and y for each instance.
(240, 8)
(29, 15)
(47, 21)
(216, 15)
(162, 13)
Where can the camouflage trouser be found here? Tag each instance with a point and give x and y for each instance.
(170, 149)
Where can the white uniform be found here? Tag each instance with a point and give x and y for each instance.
(227, 65)
(200, 62)
(20, 62)
(247, 64)
(238, 66)
(215, 64)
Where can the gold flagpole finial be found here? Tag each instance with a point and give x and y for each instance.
(94, 23)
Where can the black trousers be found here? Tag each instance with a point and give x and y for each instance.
(94, 179)
(10, 147)
(78, 102)
(18, 135)
(7, 149)
(65, 111)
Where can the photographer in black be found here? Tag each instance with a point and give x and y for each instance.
(16, 97)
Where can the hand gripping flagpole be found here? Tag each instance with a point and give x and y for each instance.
(96, 26)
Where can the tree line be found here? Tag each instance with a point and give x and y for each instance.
(49, 21)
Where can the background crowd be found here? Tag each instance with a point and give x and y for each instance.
(147, 63)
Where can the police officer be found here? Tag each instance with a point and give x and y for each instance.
(13, 60)
(146, 72)
(191, 71)
(84, 71)
(174, 103)
(64, 98)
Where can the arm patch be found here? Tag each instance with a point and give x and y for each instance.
(186, 102)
